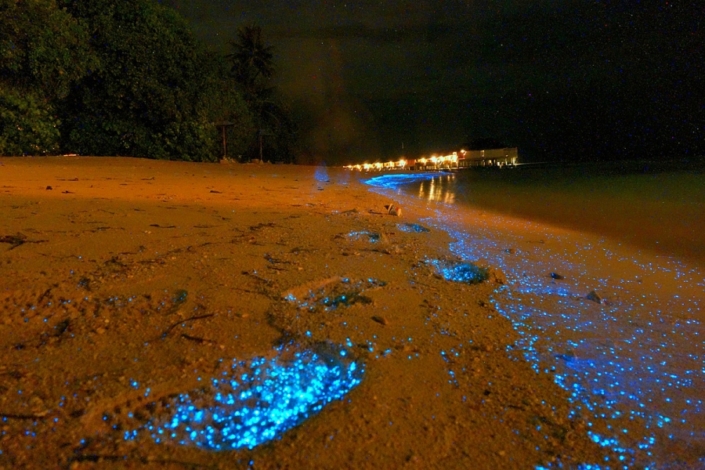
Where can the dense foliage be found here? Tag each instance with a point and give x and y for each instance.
(43, 52)
(145, 96)
(99, 77)
(27, 123)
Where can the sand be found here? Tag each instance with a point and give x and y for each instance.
(121, 278)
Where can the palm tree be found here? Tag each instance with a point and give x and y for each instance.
(252, 61)
(252, 67)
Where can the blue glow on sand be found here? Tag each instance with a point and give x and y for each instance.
(372, 237)
(457, 271)
(342, 293)
(631, 364)
(255, 401)
(321, 174)
(413, 228)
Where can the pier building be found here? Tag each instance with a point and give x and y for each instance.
(498, 158)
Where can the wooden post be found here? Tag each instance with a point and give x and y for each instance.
(262, 133)
(223, 127)
(225, 144)
(261, 158)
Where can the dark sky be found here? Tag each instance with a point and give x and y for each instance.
(561, 79)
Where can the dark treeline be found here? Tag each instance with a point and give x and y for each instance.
(100, 77)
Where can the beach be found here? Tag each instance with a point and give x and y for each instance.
(615, 315)
(126, 284)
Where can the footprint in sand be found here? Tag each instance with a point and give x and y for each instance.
(247, 404)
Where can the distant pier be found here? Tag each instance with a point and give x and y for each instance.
(498, 158)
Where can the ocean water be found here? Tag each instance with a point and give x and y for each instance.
(654, 206)
(605, 286)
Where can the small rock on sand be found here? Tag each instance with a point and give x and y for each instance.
(594, 297)
(393, 210)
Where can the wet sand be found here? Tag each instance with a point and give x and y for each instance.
(129, 282)
(619, 326)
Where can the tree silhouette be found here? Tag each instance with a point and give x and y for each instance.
(149, 95)
(252, 61)
(252, 67)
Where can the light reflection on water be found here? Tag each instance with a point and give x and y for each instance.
(432, 186)
(438, 189)
(634, 364)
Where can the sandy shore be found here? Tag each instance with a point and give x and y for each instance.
(121, 278)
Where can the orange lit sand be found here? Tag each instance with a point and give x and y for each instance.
(237, 238)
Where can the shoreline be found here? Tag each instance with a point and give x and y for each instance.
(153, 273)
(657, 212)
(610, 320)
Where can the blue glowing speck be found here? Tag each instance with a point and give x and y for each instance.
(275, 395)
(460, 271)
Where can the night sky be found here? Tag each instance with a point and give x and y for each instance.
(560, 79)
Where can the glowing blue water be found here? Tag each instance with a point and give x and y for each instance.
(396, 180)
(255, 401)
(634, 365)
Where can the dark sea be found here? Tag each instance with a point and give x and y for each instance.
(657, 206)
(605, 268)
